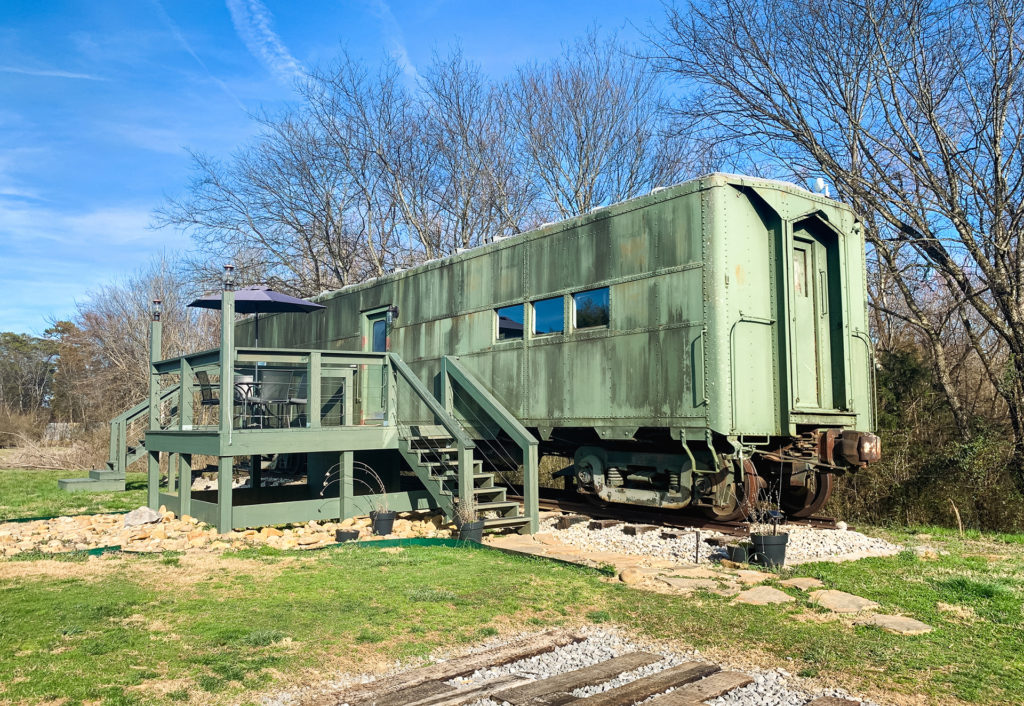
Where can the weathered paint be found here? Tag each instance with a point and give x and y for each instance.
(700, 337)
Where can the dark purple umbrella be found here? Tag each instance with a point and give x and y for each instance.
(260, 299)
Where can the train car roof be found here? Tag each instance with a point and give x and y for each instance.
(656, 195)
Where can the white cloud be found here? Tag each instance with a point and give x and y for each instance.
(393, 37)
(179, 37)
(49, 73)
(254, 25)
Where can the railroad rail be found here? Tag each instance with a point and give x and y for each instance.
(555, 500)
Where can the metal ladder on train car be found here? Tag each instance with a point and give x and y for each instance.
(433, 456)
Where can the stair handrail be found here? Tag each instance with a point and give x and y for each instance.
(119, 428)
(451, 425)
(452, 370)
(463, 442)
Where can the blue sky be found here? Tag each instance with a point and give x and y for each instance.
(100, 98)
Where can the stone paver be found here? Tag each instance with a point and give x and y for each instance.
(763, 595)
(899, 624)
(804, 583)
(689, 585)
(749, 578)
(841, 602)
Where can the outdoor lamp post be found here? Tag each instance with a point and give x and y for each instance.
(228, 278)
(155, 349)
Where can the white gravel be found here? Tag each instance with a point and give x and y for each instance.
(805, 543)
(775, 687)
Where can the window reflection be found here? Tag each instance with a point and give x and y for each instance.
(548, 316)
(510, 322)
(592, 308)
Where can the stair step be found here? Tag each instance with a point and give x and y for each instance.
(105, 474)
(490, 491)
(430, 431)
(502, 507)
(518, 521)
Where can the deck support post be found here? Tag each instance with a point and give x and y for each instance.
(153, 480)
(185, 485)
(256, 474)
(346, 500)
(225, 465)
(465, 475)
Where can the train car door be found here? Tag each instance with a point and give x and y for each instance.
(374, 377)
(811, 349)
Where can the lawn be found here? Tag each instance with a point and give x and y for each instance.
(207, 628)
(35, 494)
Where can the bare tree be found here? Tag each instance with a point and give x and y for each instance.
(592, 128)
(912, 108)
(111, 335)
(280, 209)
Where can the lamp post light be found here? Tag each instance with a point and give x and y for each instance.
(156, 308)
(228, 278)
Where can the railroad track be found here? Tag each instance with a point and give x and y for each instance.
(569, 502)
(691, 683)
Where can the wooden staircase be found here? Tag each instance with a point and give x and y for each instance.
(433, 456)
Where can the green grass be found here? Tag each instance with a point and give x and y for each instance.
(35, 494)
(188, 627)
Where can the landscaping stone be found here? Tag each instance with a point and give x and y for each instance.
(763, 595)
(898, 624)
(841, 602)
(804, 583)
(631, 577)
(141, 516)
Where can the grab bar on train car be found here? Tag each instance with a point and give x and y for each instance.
(743, 319)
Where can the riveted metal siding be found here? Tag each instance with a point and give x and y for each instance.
(667, 358)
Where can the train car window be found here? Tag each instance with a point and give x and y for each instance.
(800, 272)
(510, 322)
(548, 316)
(591, 309)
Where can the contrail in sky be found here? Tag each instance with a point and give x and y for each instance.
(254, 25)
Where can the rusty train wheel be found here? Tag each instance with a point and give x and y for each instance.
(742, 502)
(808, 500)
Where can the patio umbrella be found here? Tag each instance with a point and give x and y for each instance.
(260, 299)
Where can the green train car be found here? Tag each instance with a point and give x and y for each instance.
(695, 347)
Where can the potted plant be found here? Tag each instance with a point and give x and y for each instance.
(471, 529)
(769, 548)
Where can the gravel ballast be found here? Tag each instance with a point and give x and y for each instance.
(805, 543)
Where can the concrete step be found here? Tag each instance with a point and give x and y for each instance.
(103, 474)
(75, 485)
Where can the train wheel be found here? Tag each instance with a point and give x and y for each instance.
(741, 502)
(807, 500)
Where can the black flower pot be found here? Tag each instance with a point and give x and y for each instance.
(346, 535)
(472, 531)
(768, 549)
(383, 522)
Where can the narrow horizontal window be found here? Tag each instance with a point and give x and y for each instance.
(591, 309)
(548, 316)
(510, 322)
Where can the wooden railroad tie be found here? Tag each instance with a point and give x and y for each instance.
(687, 684)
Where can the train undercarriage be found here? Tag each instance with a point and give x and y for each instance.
(726, 478)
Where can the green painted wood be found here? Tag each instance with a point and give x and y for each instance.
(224, 494)
(440, 414)
(452, 371)
(313, 404)
(185, 485)
(247, 442)
(441, 496)
(226, 402)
